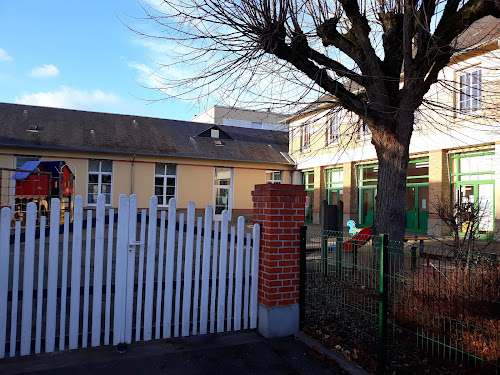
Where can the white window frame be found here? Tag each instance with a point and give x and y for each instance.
(273, 180)
(165, 176)
(305, 137)
(218, 217)
(364, 132)
(470, 80)
(332, 130)
(99, 174)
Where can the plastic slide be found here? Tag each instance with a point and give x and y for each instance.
(362, 237)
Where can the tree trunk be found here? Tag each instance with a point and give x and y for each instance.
(393, 158)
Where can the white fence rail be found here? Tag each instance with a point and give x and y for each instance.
(145, 275)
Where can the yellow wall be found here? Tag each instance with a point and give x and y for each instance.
(195, 183)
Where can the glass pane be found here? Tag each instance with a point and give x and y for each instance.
(160, 199)
(423, 198)
(93, 178)
(20, 160)
(105, 188)
(108, 198)
(93, 188)
(93, 165)
(159, 181)
(485, 194)
(219, 209)
(160, 168)
(368, 207)
(170, 181)
(420, 168)
(410, 198)
(106, 166)
(106, 179)
(158, 190)
(92, 198)
(171, 169)
(171, 191)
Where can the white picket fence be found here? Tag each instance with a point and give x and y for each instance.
(171, 281)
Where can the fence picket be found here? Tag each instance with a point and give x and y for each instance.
(254, 276)
(205, 270)
(86, 281)
(169, 269)
(121, 270)
(150, 269)
(161, 265)
(231, 280)
(238, 283)
(188, 271)
(15, 288)
(178, 279)
(4, 274)
(140, 277)
(130, 267)
(29, 268)
(76, 269)
(246, 298)
(39, 295)
(50, 329)
(221, 297)
(109, 264)
(213, 294)
(98, 265)
(64, 283)
(196, 293)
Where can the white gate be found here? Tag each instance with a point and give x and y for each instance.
(164, 275)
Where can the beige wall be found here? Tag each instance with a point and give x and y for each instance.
(195, 177)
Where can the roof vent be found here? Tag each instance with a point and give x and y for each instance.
(32, 128)
(25, 112)
(134, 122)
(92, 131)
(214, 133)
(218, 143)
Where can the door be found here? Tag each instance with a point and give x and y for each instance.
(417, 209)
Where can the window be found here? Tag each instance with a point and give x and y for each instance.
(470, 90)
(100, 180)
(334, 185)
(21, 159)
(364, 132)
(274, 177)
(223, 190)
(332, 130)
(165, 182)
(305, 137)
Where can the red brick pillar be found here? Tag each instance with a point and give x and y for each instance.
(280, 210)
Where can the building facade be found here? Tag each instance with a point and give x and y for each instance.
(454, 151)
(118, 154)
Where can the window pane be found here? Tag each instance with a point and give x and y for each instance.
(160, 199)
(170, 181)
(158, 190)
(20, 160)
(93, 165)
(159, 181)
(93, 178)
(93, 188)
(171, 169)
(106, 179)
(108, 198)
(171, 191)
(160, 168)
(106, 166)
(105, 188)
(92, 198)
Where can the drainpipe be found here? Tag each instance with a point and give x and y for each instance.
(132, 176)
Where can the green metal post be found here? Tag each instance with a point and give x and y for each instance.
(382, 304)
(339, 249)
(302, 275)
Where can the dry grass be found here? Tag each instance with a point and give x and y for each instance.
(459, 306)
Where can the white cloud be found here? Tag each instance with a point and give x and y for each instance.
(45, 71)
(67, 97)
(4, 56)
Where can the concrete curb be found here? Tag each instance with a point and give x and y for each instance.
(350, 367)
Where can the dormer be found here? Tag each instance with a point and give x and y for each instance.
(214, 132)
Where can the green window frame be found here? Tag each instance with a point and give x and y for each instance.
(334, 183)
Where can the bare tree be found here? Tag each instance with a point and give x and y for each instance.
(282, 51)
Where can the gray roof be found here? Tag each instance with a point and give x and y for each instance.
(64, 129)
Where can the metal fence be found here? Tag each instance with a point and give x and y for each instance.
(397, 298)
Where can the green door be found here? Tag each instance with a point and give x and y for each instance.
(417, 211)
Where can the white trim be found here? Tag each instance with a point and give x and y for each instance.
(165, 176)
(100, 173)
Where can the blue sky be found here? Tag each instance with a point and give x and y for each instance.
(77, 54)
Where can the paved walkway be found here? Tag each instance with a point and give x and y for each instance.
(233, 353)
